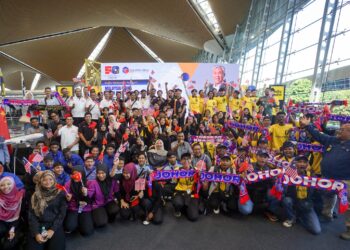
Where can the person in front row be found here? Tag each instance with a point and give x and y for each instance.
(10, 208)
(104, 202)
(79, 205)
(184, 201)
(133, 204)
(224, 195)
(297, 202)
(46, 214)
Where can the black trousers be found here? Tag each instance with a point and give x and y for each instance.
(215, 200)
(139, 211)
(5, 243)
(183, 202)
(102, 215)
(57, 242)
(158, 217)
(168, 189)
(83, 222)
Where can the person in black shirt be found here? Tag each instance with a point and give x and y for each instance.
(87, 134)
(46, 214)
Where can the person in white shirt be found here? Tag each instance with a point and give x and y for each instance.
(107, 102)
(144, 100)
(49, 99)
(69, 136)
(77, 105)
(133, 102)
(93, 106)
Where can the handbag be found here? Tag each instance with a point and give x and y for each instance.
(155, 159)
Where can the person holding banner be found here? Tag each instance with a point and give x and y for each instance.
(297, 201)
(335, 164)
(183, 200)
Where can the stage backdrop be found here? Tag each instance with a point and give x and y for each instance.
(185, 76)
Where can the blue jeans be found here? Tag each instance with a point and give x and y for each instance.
(274, 204)
(308, 217)
(246, 208)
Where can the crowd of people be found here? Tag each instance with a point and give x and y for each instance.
(99, 150)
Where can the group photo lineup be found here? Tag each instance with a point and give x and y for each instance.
(173, 125)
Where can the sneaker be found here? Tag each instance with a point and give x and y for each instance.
(216, 211)
(145, 222)
(177, 214)
(288, 223)
(271, 216)
(346, 235)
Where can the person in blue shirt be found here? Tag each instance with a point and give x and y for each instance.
(108, 158)
(18, 182)
(143, 169)
(55, 152)
(61, 176)
(47, 163)
(95, 153)
(90, 168)
(70, 160)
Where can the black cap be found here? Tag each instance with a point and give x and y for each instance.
(171, 153)
(262, 152)
(221, 146)
(185, 155)
(301, 158)
(263, 140)
(225, 157)
(287, 144)
(48, 158)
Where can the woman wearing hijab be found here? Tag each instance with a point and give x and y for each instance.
(157, 155)
(10, 208)
(132, 201)
(79, 205)
(46, 214)
(104, 203)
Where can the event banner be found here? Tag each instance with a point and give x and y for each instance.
(186, 76)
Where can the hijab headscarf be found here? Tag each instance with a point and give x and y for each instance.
(106, 184)
(75, 187)
(129, 184)
(160, 151)
(10, 204)
(42, 196)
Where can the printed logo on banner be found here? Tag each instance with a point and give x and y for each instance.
(125, 70)
(111, 69)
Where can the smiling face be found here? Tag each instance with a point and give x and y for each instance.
(47, 182)
(6, 186)
(218, 75)
(101, 175)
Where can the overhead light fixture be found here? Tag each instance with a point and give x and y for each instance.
(146, 48)
(35, 81)
(206, 13)
(97, 51)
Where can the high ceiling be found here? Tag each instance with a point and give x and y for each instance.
(170, 28)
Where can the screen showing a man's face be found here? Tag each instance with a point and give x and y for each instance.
(218, 75)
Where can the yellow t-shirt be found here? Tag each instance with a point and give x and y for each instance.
(195, 104)
(221, 102)
(279, 134)
(235, 104)
(316, 161)
(201, 105)
(209, 150)
(248, 102)
(184, 184)
(211, 103)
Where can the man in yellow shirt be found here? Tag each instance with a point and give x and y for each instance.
(221, 101)
(279, 131)
(235, 103)
(195, 104)
(248, 101)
